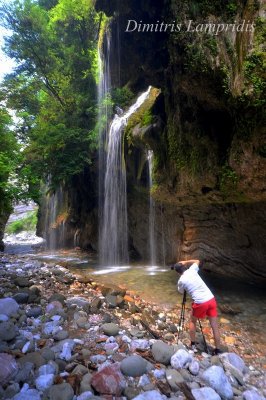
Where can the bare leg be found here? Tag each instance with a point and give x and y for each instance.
(192, 328)
(215, 330)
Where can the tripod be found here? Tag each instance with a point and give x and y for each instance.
(182, 322)
(182, 315)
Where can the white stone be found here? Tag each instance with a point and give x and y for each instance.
(66, 351)
(205, 393)
(47, 369)
(85, 396)
(141, 344)
(44, 382)
(150, 395)
(159, 373)
(144, 380)
(181, 359)
(252, 395)
(194, 367)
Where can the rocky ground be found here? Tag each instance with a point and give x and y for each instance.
(67, 337)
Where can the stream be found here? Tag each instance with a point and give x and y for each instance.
(241, 305)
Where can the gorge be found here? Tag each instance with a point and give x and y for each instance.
(203, 121)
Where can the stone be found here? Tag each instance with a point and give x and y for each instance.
(110, 329)
(34, 312)
(181, 359)
(24, 373)
(95, 305)
(85, 384)
(44, 382)
(27, 394)
(21, 298)
(8, 331)
(34, 358)
(133, 366)
(8, 306)
(47, 354)
(22, 282)
(11, 390)
(174, 378)
(216, 379)
(205, 393)
(81, 322)
(150, 395)
(194, 367)
(131, 392)
(47, 369)
(54, 305)
(80, 370)
(9, 368)
(252, 395)
(85, 396)
(234, 360)
(61, 391)
(109, 380)
(61, 335)
(57, 297)
(78, 301)
(3, 318)
(162, 352)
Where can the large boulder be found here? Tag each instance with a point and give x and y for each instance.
(216, 379)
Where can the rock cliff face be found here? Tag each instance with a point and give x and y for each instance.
(205, 129)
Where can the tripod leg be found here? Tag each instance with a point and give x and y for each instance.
(204, 340)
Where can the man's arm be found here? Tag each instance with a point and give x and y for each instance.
(190, 262)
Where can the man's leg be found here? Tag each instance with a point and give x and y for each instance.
(192, 328)
(215, 330)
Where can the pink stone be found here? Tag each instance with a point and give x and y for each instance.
(8, 368)
(109, 380)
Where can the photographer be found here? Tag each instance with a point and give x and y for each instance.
(204, 303)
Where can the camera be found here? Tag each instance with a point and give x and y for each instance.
(176, 267)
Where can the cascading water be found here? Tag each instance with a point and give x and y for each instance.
(114, 233)
(152, 241)
(55, 219)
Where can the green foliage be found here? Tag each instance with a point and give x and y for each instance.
(53, 90)
(122, 96)
(228, 180)
(27, 223)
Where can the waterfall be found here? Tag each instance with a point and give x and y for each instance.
(114, 234)
(55, 218)
(152, 241)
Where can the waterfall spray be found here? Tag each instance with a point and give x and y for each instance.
(152, 241)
